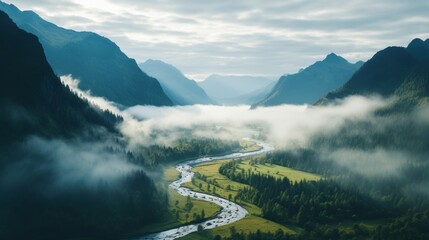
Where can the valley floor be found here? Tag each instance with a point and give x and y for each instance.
(209, 180)
(217, 184)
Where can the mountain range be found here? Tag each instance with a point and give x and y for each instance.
(311, 83)
(180, 89)
(391, 71)
(97, 62)
(232, 90)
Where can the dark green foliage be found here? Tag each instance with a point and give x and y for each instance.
(414, 225)
(258, 235)
(104, 211)
(415, 89)
(100, 65)
(300, 203)
(310, 84)
(181, 150)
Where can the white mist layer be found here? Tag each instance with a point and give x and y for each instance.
(285, 126)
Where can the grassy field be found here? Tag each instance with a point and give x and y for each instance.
(249, 224)
(249, 146)
(279, 171)
(219, 185)
(177, 202)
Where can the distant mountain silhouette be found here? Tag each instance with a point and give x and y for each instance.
(180, 89)
(255, 96)
(311, 83)
(386, 72)
(32, 99)
(98, 62)
(234, 89)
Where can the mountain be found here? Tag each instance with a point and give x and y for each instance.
(51, 144)
(415, 88)
(385, 72)
(96, 61)
(233, 89)
(32, 98)
(257, 95)
(310, 84)
(419, 49)
(181, 90)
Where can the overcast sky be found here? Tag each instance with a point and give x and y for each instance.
(243, 37)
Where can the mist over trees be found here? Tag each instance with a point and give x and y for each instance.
(49, 138)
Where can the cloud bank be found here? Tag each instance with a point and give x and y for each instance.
(65, 165)
(286, 126)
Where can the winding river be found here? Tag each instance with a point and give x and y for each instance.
(231, 212)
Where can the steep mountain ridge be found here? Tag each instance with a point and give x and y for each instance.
(30, 90)
(385, 72)
(96, 61)
(311, 83)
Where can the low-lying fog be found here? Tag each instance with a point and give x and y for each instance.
(287, 127)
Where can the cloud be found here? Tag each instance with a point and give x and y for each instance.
(100, 102)
(242, 37)
(287, 126)
(65, 164)
(370, 163)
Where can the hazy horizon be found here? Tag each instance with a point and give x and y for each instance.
(241, 37)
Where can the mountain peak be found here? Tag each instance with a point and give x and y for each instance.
(150, 60)
(9, 5)
(332, 57)
(419, 49)
(160, 65)
(416, 42)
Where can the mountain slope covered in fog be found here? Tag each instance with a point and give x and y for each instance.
(62, 171)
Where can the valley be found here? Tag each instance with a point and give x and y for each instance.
(271, 120)
(231, 212)
(201, 187)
